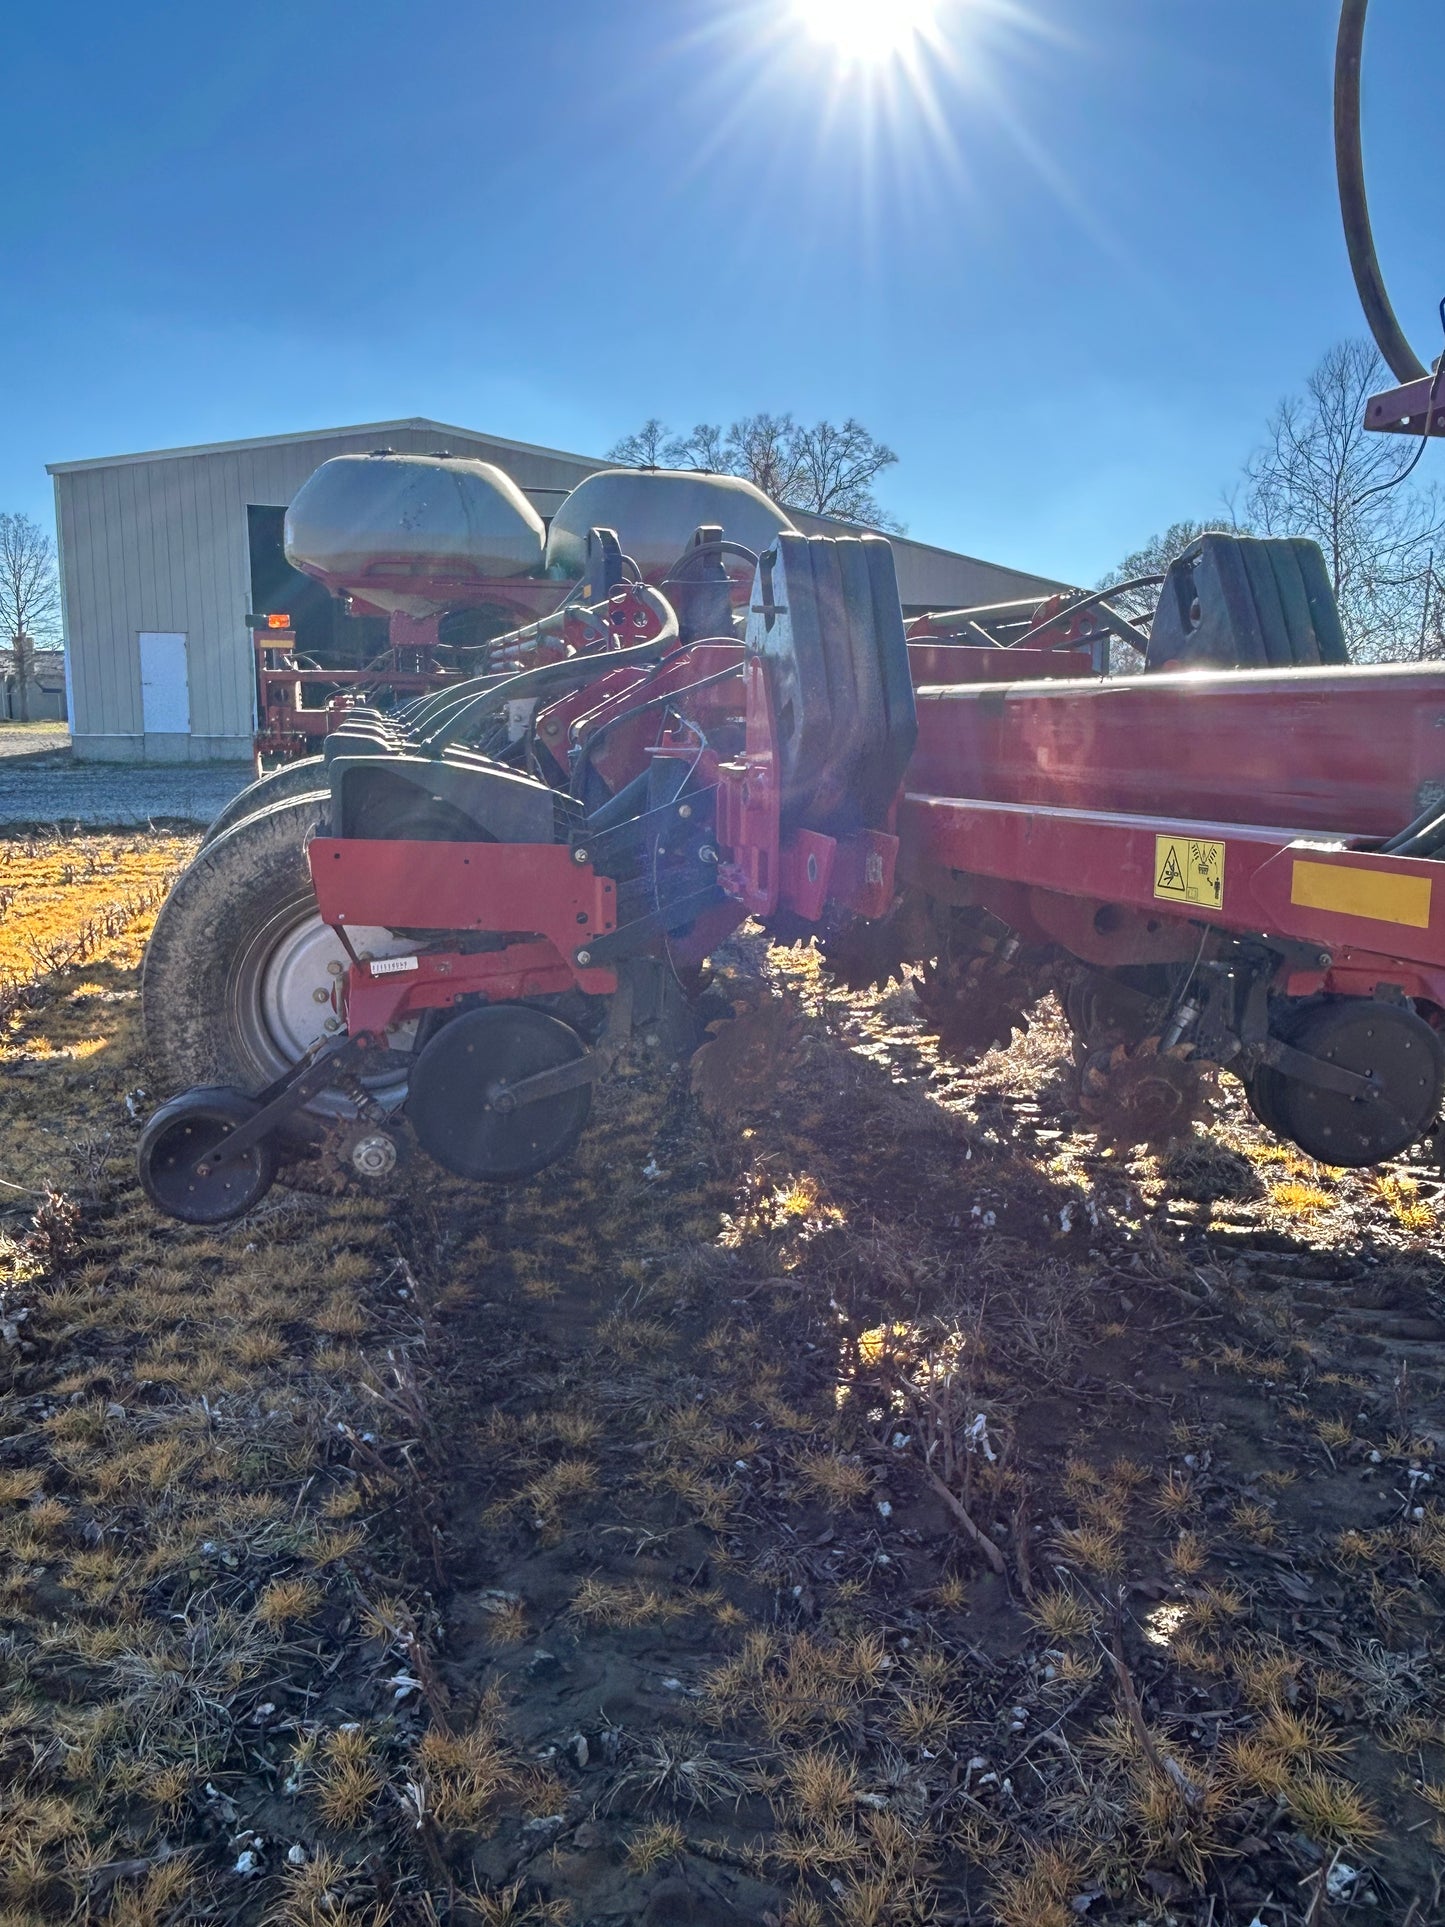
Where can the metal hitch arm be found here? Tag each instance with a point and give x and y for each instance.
(1314, 1070)
(289, 1093)
(562, 1077)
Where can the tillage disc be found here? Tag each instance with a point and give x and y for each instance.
(447, 1101)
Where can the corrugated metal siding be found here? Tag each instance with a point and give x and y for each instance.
(930, 578)
(164, 545)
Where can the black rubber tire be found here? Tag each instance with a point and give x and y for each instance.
(1262, 1094)
(1264, 1089)
(178, 1134)
(302, 778)
(218, 922)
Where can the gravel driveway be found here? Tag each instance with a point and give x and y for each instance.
(39, 791)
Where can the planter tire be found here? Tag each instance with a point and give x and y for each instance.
(302, 778)
(238, 975)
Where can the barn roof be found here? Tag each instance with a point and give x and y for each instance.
(321, 435)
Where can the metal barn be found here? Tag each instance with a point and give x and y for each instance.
(163, 554)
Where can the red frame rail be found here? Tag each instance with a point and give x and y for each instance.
(1369, 919)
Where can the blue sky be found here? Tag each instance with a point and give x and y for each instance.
(1066, 278)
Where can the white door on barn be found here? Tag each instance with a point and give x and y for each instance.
(165, 690)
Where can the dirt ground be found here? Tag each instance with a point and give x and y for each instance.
(885, 1507)
(29, 740)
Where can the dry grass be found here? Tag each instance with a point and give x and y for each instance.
(179, 1509)
(65, 900)
(690, 1421)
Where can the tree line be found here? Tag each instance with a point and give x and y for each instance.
(1317, 472)
(823, 470)
(29, 601)
(1320, 473)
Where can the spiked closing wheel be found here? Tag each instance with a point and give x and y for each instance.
(739, 1066)
(865, 955)
(1143, 1096)
(175, 1171)
(448, 1105)
(976, 1006)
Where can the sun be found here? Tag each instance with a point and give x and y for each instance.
(869, 33)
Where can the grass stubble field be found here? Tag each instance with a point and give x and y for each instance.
(886, 1507)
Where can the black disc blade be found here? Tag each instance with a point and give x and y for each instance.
(447, 1101)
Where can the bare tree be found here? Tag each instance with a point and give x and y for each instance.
(705, 448)
(647, 448)
(840, 466)
(765, 448)
(825, 470)
(29, 598)
(1320, 473)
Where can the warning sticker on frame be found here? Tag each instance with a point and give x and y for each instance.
(1189, 871)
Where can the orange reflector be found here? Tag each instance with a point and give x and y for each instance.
(278, 622)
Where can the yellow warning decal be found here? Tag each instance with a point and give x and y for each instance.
(1187, 870)
(1353, 891)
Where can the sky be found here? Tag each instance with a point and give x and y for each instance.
(1064, 258)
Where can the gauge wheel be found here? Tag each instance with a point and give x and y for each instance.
(176, 1173)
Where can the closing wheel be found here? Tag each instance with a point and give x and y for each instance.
(1262, 1092)
(1386, 1041)
(175, 1171)
(447, 1101)
(1142, 1095)
(240, 971)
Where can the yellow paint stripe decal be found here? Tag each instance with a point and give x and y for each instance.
(1352, 891)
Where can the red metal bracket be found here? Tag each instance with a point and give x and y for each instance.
(749, 806)
(1375, 919)
(863, 873)
(805, 881)
(377, 996)
(506, 889)
(1416, 409)
(807, 871)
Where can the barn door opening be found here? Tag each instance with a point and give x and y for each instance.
(165, 687)
(325, 634)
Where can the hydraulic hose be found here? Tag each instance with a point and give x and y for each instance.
(1425, 837)
(1354, 205)
(1425, 842)
(555, 676)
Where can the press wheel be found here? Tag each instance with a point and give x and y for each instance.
(1387, 1041)
(447, 1100)
(174, 1172)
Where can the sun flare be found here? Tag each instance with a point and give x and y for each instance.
(869, 32)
